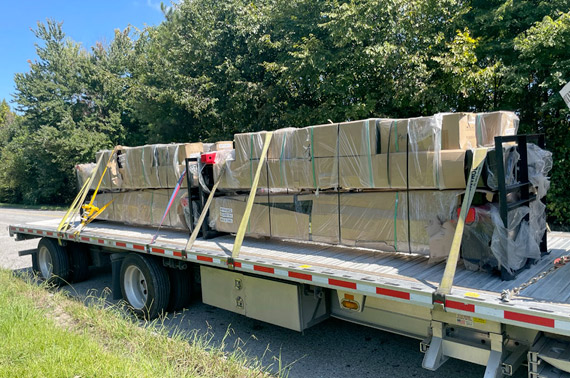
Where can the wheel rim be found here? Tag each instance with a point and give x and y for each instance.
(45, 262)
(136, 289)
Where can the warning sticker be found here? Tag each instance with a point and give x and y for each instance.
(464, 320)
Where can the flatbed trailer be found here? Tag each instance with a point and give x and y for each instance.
(296, 285)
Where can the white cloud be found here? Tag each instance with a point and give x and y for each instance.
(154, 5)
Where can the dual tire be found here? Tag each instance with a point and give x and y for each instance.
(150, 289)
(147, 286)
(60, 265)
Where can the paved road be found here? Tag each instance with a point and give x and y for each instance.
(331, 349)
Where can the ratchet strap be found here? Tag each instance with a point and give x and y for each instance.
(479, 155)
(245, 220)
(77, 203)
(170, 202)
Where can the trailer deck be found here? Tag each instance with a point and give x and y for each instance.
(396, 276)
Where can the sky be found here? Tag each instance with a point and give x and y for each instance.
(86, 22)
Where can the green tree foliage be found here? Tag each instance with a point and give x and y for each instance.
(214, 67)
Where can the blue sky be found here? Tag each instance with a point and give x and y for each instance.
(83, 21)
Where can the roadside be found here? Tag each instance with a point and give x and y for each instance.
(44, 333)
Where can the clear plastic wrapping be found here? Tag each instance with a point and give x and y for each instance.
(83, 172)
(380, 220)
(112, 179)
(395, 220)
(149, 167)
(490, 125)
(539, 165)
(143, 207)
(513, 245)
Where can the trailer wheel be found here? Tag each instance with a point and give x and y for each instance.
(52, 262)
(180, 289)
(79, 262)
(145, 285)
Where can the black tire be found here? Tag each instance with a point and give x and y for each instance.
(180, 289)
(145, 285)
(52, 262)
(79, 262)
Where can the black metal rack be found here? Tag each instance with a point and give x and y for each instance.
(523, 185)
(198, 195)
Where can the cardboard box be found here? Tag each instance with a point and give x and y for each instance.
(362, 172)
(373, 220)
(150, 166)
(221, 146)
(425, 171)
(290, 143)
(239, 174)
(289, 217)
(393, 135)
(325, 172)
(112, 179)
(359, 138)
(324, 140)
(458, 131)
(324, 226)
(490, 125)
(423, 134)
(290, 174)
(248, 146)
(227, 212)
(380, 219)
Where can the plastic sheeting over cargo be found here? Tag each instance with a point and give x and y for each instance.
(150, 166)
(414, 153)
(143, 208)
(381, 220)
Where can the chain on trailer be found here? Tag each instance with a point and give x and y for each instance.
(507, 295)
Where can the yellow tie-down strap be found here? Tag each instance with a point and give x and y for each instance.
(479, 155)
(80, 198)
(247, 213)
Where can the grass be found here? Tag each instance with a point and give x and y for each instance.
(33, 207)
(44, 333)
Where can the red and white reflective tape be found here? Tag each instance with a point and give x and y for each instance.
(339, 283)
(506, 316)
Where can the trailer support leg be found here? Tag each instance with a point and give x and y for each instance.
(495, 363)
(434, 356)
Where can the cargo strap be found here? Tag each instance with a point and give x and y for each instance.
(92, 211)
(167, 210)
(198, 225)
(245, 220)
(479, 155)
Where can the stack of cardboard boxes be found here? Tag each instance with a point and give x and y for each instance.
(390, 184)
(139, 181)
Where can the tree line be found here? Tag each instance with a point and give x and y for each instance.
(213, 68)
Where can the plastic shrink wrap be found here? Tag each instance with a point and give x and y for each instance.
(143, 208)
(380, 220)
(83, 172)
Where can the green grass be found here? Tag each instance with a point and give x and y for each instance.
(33, 207)
(43, 333)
